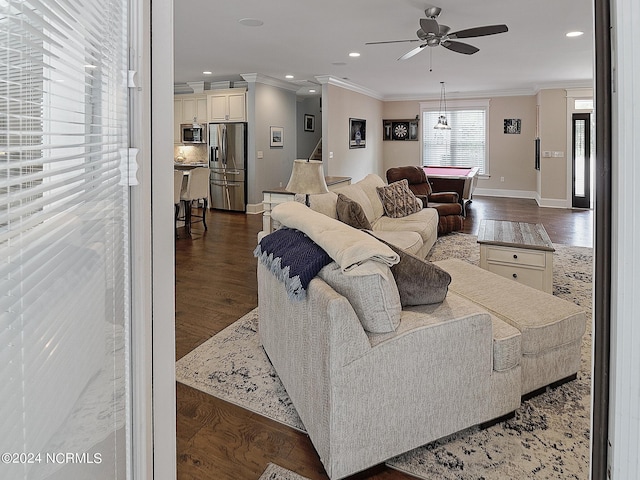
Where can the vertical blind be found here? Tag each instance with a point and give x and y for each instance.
(64, 274)
(462, 146)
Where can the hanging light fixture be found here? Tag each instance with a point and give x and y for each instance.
(442, 119)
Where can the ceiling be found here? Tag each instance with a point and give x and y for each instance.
(310, 39)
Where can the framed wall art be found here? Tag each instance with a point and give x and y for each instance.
(357, 133)
(309, 123)
(277, 136)
(512, 125)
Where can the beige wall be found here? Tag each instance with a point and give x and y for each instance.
(338, 105)
(510, 156)
(553, 138)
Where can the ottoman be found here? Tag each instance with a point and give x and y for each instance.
(551, 328)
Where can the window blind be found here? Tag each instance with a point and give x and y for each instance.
(64, 271)
(464, 145)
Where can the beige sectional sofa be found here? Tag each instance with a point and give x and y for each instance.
(415, 233)
(367, 392)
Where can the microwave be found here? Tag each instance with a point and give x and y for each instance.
(193, 133)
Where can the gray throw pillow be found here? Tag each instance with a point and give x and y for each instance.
(374, 297)
(419, 282)
(351, 213)
(398, 200)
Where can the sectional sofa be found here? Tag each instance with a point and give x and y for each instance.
(372, 377)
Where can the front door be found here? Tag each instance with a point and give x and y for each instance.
(581, 160)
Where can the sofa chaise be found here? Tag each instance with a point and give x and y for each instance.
(371, 378)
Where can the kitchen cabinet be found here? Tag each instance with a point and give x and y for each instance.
(228, 105)
(185, 109)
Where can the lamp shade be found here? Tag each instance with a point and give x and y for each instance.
(307, 177)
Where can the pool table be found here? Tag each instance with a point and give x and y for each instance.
(461, 180)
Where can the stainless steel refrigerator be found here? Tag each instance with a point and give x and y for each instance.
(228, 165)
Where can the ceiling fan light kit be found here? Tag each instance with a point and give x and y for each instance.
(432, 34)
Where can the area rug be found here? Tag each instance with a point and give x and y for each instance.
(547, 439)
(276, 472)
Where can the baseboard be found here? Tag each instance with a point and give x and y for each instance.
(498, 192)
(552, 202)
(255, 208)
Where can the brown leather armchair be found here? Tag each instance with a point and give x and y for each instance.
(446, 203)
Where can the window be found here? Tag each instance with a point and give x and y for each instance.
(466, 144)
(64, 241)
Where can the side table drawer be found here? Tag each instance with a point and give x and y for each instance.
(532, 277)
(516, 256)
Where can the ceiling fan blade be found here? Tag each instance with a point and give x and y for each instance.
(429, 26)
(413, 52)
(479, 31)
(460, 47)
(393, 41)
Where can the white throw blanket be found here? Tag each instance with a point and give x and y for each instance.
(348, 247)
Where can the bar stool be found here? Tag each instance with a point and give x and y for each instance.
(197, 189)
(178, 177)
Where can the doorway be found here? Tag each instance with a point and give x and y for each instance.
(581, 161)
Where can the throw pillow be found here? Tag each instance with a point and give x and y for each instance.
(374, 297)
(351, 213)
(398, 201)
(419, 282)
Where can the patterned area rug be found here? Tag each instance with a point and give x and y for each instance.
(276, 472)
(547, 439)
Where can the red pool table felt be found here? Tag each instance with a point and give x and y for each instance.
(447, 171)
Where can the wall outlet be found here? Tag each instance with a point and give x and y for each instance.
(502, 179)
(330, 154)
(546, 154)
(558, 154)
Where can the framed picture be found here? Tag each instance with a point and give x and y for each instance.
(357, 133)
(277, 136)
(512, 125)
(309, 123)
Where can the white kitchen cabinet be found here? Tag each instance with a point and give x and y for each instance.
(228, 105)
(185, 109)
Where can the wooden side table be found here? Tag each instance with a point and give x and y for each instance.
(517, 250)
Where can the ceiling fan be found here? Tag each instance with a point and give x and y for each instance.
(433, 34)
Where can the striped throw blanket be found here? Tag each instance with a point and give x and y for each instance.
(293, 258)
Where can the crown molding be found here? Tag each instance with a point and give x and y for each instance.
(266, 80)
(347, 85)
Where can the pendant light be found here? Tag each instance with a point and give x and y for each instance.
(442, 120)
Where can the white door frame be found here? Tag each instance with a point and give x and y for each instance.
(153, 420)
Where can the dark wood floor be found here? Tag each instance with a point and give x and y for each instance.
(216, 285)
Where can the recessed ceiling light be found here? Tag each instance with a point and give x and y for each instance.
(207, 73)
(575, 34)
(354, 54)
(288, 76)
(312, 91)
(251, 22)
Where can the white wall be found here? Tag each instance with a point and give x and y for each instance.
(339, 105)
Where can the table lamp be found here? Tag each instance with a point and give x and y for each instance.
(307, 177)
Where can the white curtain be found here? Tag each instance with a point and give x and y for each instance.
(64, 268)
